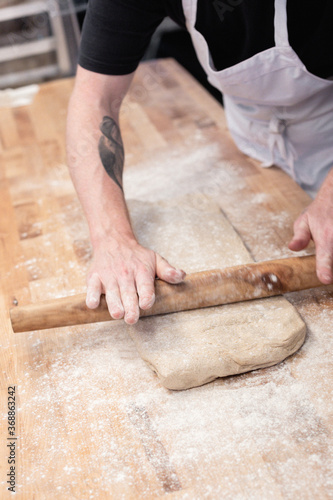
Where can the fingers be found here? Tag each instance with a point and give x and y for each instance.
(138, 291)
(121, 302)
(302, 234)
(324, 262)
(112, 297)
(167, 272)
(317, 228)
(146, 290)
(122, 299)
(128, 281)
(129, 298)
(123, 296)
(94, 290)
(323, 239)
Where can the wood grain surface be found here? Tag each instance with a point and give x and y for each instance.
(92, 421)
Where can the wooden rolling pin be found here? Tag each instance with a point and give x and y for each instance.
(203, 289)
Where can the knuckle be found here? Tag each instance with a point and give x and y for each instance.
(111, 296)
(129, 296)
(131, 305)
(146, 290)
(124, 277)
(124, 271)
(147, 302)
(147, 268)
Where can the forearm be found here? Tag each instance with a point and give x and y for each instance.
(95, 158)
(121, 268)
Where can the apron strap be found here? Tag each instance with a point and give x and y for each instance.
(190, 13)
(277, 139)
(280, 24)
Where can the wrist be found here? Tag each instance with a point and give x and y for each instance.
(106, 213)
(112, 236)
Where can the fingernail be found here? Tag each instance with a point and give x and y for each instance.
(180, 274)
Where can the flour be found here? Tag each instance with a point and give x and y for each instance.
(172, 175)
(270, 427)
(94, 371)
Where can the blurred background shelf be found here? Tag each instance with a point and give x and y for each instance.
(39, 41)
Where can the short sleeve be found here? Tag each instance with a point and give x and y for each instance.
(116, 34)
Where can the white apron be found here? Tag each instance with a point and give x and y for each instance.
(277, 112)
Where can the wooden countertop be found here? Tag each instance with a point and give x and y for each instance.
(92, 421)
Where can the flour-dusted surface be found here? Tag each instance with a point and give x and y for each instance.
(189, 231)
(93, 421)
(105, 419)
(192, 348)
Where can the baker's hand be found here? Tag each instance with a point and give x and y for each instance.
(316, 223)
(125, 271)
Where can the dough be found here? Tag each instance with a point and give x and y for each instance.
(191, 348)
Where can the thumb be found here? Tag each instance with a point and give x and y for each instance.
(302, 234)
(167, 272)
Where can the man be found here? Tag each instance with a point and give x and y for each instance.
(274, 64)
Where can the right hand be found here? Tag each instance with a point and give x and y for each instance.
(125, 271)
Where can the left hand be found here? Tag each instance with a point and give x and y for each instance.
(316, 223)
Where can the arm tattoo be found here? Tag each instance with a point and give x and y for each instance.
(111, 149)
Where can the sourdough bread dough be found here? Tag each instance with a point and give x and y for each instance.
(191, 348)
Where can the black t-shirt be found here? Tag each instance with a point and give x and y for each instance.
(116, 33)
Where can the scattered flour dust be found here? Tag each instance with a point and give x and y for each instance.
(91, 414)
(176, 173)
(271, 426)
(170, 175)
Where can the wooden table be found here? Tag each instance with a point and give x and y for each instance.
(92, 421)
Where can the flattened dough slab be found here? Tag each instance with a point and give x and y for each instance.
(191, 348)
